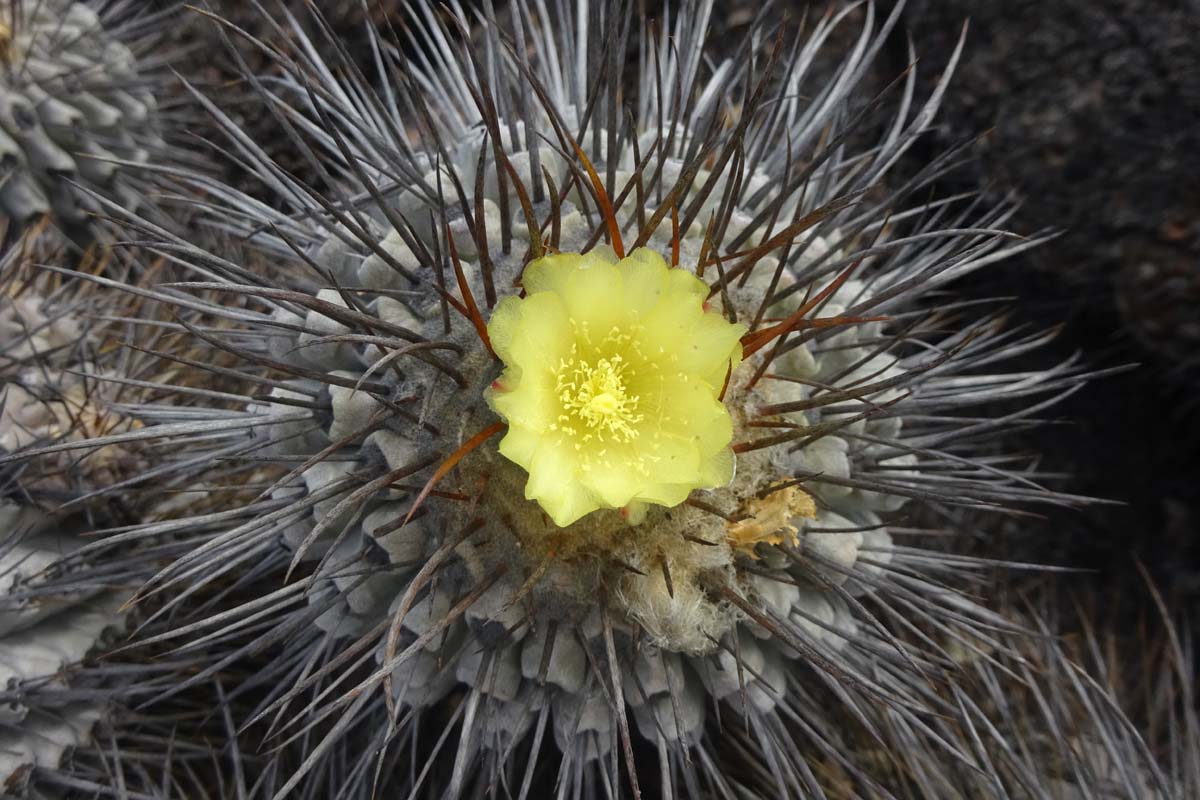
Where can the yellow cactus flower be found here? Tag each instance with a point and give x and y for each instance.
(611, 386)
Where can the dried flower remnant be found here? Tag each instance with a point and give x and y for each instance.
(769, 519)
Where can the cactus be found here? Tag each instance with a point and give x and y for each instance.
(50, 620)
(57, 384)
(76, 115)
(577, 413)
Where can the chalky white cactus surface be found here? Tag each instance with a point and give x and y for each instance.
(47, 627)
(53, 390)
(74, 110)
(417, 599)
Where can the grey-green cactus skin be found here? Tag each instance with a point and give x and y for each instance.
(53, 386)
(75, 116)
(49, 622)
(56, 606)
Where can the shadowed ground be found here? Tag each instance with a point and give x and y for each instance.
(1091, 114)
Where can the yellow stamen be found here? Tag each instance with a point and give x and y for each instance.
(595, 401)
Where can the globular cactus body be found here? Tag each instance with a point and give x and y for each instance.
(50, 622)
(74, 112)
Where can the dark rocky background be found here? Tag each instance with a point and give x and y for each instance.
(1090, 115)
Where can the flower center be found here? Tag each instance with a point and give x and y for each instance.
(595, 401)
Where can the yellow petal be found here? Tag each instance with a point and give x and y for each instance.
(503, 326)
(613, 487)
(552, 483)
(519, 444)
(589, 287)
(645, 278)
(531, 404)
(686, 406)
(714, 346)
(666, 494)
(540, 336)
(718, 468)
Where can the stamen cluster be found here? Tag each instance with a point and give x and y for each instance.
(596, 403)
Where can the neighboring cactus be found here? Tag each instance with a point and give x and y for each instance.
(1085, 702)
(74, 110)
(55, 384)
(62, 382)
(52, 615)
